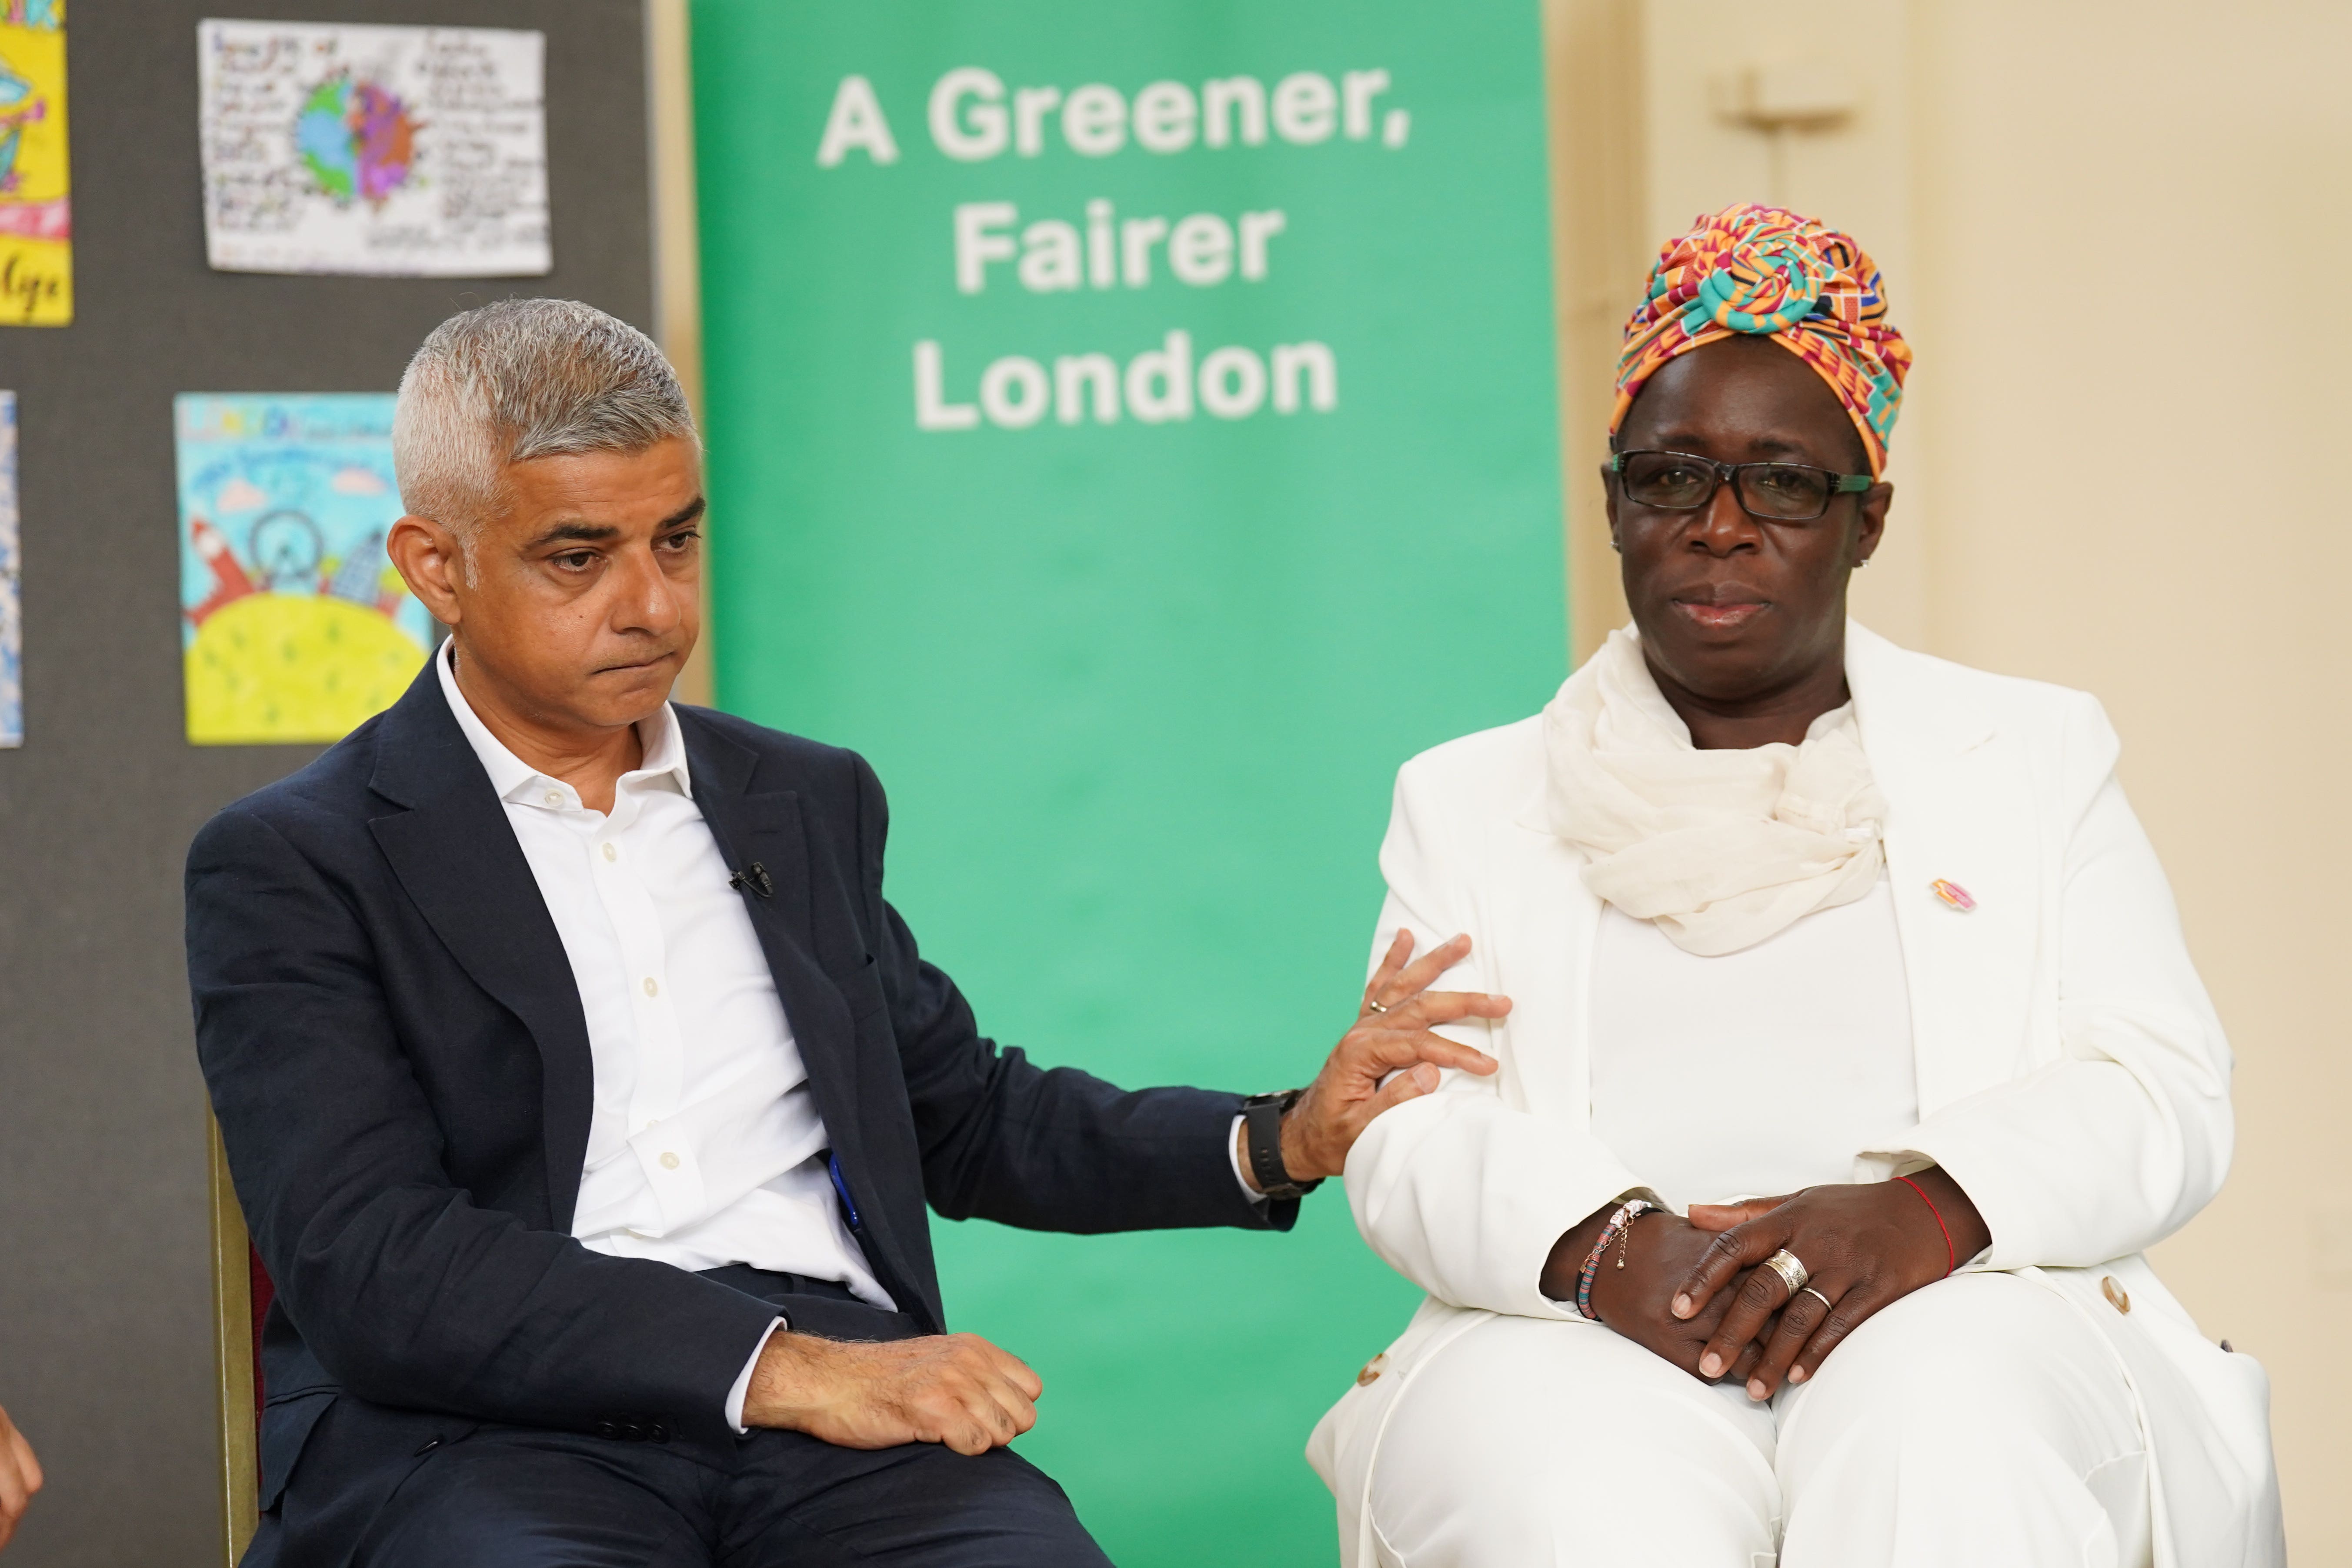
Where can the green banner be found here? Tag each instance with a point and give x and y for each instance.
(1133, 428)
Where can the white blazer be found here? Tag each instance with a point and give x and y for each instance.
(2073, 1076)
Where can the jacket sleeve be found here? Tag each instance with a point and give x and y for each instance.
(1460, 1191)
(2118, 1143)
(405, 1291)
(1044, 1149)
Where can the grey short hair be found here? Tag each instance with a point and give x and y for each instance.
(521, 379)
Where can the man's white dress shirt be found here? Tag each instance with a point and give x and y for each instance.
(705, 1147)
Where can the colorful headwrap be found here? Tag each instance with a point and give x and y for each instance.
(1755, 269)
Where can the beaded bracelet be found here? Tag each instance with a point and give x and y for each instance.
(1619, 1220)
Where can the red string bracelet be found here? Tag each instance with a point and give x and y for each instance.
(1951, 1254)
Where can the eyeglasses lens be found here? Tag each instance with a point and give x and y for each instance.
(1784, 490)
(1665, 480)
(1671, 482)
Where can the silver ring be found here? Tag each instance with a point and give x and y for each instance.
(1792, 1273)
(1375, 1006)
(1827, 1305)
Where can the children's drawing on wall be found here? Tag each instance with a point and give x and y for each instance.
(294, 625)
(394, 151)
(12, 609)
(36, 214)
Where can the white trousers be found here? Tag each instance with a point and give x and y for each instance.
(1977, 1421)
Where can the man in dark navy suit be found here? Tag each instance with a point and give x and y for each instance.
(585, 1095)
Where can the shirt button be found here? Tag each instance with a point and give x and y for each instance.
(555, 797)
(669, 1162)
(611, 853)
(652, 989)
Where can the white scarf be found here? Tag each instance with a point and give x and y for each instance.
(1720, 849)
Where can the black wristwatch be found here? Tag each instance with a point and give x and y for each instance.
(1262, 1137)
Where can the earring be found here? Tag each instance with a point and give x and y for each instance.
(1861, 564)
(1616, 545)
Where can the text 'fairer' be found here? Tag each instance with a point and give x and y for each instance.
(1201, 250)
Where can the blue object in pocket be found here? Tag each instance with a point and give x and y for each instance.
(841, 1185)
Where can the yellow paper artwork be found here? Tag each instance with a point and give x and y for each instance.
(36, 213)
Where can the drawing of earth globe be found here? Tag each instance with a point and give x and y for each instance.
(357, 139)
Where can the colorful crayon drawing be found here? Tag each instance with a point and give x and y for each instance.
(357, 139)
(36, 213)
(386, 150)
(294, 625)
(11, 614)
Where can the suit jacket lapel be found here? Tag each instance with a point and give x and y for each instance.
(1961, 809)
(456, 855)
(764, 827)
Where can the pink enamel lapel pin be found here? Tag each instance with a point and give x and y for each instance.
(1953, 894)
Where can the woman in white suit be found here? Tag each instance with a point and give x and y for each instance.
(1855, 1054)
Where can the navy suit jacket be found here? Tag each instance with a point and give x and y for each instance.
(397, 1055)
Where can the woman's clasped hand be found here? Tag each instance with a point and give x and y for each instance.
(1712, 1293)
(1635, 1287)
(1862, 1246)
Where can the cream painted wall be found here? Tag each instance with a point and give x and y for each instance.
(677, 250)
(2112, 233)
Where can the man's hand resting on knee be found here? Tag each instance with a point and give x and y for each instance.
(956, 1389)
(1635, 1289)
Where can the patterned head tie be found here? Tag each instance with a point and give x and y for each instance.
(1758, 269)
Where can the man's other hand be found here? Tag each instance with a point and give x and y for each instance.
(20, 1477)
(1391, 1035)
(955, 1389)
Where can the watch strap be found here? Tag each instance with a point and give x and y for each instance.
(1262, 1141)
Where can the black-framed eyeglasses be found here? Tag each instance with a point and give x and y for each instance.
(1778, 492)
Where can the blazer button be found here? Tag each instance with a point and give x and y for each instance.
(659, 1432)
(1372, 1369)
(607, 1429)
(2117, 1297)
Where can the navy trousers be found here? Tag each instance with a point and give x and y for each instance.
(513, 1497)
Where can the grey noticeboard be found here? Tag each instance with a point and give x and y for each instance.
(105, 1358)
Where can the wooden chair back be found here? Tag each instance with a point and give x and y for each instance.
(236, 1343)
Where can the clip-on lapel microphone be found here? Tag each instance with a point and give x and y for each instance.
(753, 879)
